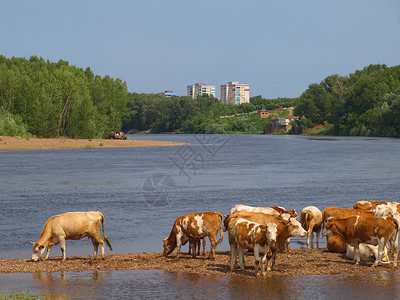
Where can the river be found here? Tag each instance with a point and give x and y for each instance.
(141, 191)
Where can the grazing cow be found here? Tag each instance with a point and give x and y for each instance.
(71, 226)
(244, 234)
(286, 229)
(194, 226)
(367, 253)
(274, 211)
(336, 244)
(311, 220)
(368, 230)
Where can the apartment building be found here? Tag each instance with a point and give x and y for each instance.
(235, 93)
(199, 89)
(167, 94)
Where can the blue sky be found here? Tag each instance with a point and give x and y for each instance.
(279, 47)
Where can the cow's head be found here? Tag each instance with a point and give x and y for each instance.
(271, 232)
(168, 248)
(330, 228)
(298, 230)
(37, 251)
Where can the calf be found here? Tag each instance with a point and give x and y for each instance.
(244, 234)
(71, 226)
(311, 220)
(194, 226)
(368, 230)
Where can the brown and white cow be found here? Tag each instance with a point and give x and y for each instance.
(311, 220)
(368, 205)
(194, 226)
(286, 229)
(71, 226)
(368, 230)
(274, 211)
(244, 234)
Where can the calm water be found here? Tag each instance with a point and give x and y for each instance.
(141, 191)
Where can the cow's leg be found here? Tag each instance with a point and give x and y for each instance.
(49, 247)
(241, 257)
(317, 236)
(213, 245)
(62, 245)
(99, 240)
(269, 259)
(192, 245)
(257, 259)
(310, 235)
(233, 255)
(263, 262)
(204, 246)
(381, 245)
(95, 247)
(287, 245)
(357, 253)
(273, 267)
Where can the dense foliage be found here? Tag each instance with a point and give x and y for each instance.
(366, 103)
(154, 113)
(55, 99)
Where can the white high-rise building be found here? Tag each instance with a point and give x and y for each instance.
(200, 89)
(235, 93)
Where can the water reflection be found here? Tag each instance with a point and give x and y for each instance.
(74, 284)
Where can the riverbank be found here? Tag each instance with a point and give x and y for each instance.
(299, 262)
(15, 143)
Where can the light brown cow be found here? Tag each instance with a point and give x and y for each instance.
(368, 230)
(71, 226)
(194, 226)
(286, 229)
(244, 234)
(336, 244)
(311, 220)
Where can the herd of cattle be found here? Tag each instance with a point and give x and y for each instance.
(363, 233)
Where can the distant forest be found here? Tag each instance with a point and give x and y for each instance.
(46, 99)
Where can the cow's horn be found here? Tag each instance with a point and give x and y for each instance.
(32, 242)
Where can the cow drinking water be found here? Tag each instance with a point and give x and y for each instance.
(71, 226)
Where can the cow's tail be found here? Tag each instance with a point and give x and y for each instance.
(221, 232)
(104, 234)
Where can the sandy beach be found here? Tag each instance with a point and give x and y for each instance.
(15, 143)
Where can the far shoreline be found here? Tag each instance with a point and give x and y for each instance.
(18, 143)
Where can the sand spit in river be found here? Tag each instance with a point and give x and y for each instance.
(298, 262)
(13, 143)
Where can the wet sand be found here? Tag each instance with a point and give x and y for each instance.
(298, 262)
(15, 143)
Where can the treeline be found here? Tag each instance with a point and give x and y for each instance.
(156, 114)
(365, 103)
(48, 99)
